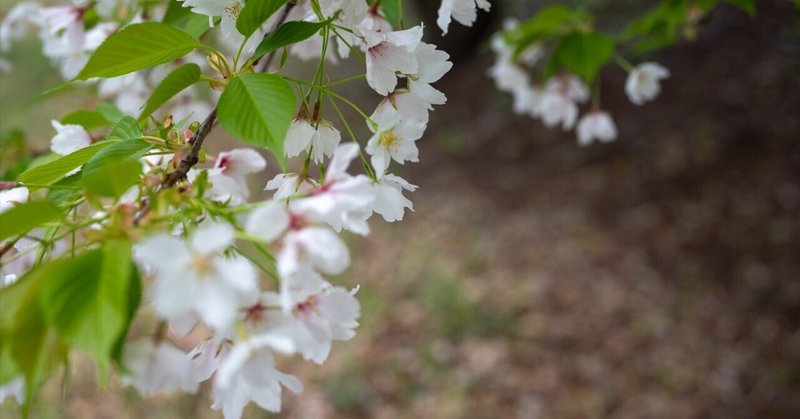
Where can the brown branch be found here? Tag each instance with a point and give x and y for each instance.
(193, 157)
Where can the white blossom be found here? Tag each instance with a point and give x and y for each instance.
(247, 373)
(15, 25)
(14, 388)
(389, 200)
(556, 108)
(463, 11)
(229, 11)
(12, 197)
(321, 137)
(390, 53)
(193, 278)
(316, 319)
(227, 178)
(286, 184)
(433, 65)
(158, 367)
(596, 125)
(644, 82)
(342, 200)
(298, 136)
(69, 138)
(393, 139)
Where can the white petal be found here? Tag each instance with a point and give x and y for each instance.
(268, 221)
(212, 238)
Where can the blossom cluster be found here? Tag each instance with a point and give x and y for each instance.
(556, 100)
(69, 38)
(199, 280)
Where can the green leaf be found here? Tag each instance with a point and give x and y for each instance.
(287, 34)
(257, 108)
(134, 299)
(197, 25)
(393, 11)
(548, 22)
(176, 15)
(125, 129)
(103, 115)
(137, 47)
(28, 347)
(65, 190)
(50, 172)
(89, 120)
(179, 79)
(183, 18)
(88, 301)
(129, 150)
(585, 53)
(26, 216)
(255, 13)
(112, 178)
(109, 112)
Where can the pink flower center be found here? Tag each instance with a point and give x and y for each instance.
(306, 307)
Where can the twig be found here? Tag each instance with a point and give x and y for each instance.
(193, 157)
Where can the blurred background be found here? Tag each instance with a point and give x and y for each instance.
(655, 277)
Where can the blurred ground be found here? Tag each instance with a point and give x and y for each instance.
(657, 277)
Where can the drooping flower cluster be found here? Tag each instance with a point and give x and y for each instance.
(556, 101)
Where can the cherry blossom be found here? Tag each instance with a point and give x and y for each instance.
(644, 82)
(316, 319)
(12, 197)
(303, 135)
(15, 25)
(158, 367)
(69, 138)
(227, 9)
(433, 65)
(463, 11)
(193, 278)
(14, 388)
(247, 373)
(389, 53)
(342, 200)
(596, 125)
(389, 200)
(393, 139)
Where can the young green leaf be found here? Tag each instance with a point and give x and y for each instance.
(88, 301)
(393, 10)
(179, 79)
(197, 25)
(52, 171)
(585, 53)
(137, 47)
(287, 34)
(549, 21)
(257, 108)
(255, 13)
(34, 348)
(27, 216)
(112, 178)
(110, 112)
(85, 118)
(125, 129)
(129, 150)
(65, 190)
